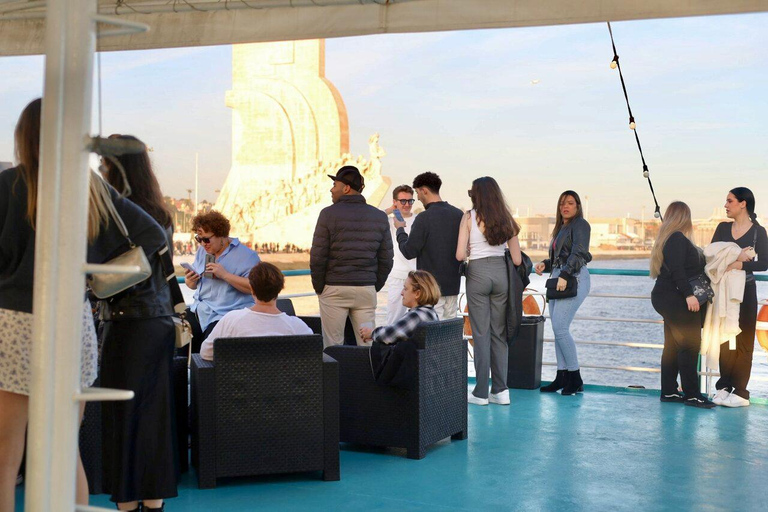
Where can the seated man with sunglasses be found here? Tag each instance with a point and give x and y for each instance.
(228, 263)
(403, 201)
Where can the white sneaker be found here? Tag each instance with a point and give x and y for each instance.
(472, 399)
(499, 398)
(734, 400)
(721, 395)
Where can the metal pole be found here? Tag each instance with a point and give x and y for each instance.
(62, 202)
(197, 170)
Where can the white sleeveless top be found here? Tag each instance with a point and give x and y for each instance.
(478, 245)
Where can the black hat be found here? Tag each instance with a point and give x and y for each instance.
(349, 175)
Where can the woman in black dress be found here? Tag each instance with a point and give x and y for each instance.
(139, 445)
(736, 365)
(674, 260)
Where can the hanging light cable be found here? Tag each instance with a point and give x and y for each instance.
(632, 125)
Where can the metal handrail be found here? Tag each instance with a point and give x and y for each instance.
(592, 271)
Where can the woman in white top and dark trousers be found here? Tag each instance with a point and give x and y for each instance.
(485, 232)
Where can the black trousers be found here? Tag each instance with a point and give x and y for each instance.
(736, 365)
(198, 334)
(682, 341)
(139, 436)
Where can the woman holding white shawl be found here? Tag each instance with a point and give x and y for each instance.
(744, 231)
(674, 260)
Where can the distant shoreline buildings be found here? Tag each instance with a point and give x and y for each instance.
(614, 233)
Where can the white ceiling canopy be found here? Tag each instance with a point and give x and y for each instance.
(176, 23)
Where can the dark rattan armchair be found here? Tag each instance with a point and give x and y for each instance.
(263, 406)
(413, 419)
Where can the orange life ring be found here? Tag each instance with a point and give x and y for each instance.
(762, 327)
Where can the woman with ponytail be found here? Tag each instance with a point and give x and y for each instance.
(736, 365)
(674, 260)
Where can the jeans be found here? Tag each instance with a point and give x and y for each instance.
(562, 312)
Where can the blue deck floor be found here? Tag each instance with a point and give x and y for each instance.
(610, 449)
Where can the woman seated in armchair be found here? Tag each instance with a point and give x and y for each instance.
(261, 319)
(393, 355)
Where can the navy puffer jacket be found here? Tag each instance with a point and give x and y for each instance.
(352, 245)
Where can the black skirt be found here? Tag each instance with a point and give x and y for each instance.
(139, 439)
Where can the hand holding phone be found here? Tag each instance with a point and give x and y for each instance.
(398, 215)
(209, 258)
(187, 266)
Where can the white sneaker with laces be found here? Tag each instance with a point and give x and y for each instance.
(734, 400)
(721, 395)
(472, 399)
(499, 398)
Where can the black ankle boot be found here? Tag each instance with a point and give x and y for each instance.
(573, 383)
(145, 508)
(555, 385)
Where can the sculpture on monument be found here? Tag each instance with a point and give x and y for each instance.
(289, 130)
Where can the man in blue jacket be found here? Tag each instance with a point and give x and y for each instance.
(351, 257)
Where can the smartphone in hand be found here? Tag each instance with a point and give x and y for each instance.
(209, 258)
(187, 266)
(398, 215)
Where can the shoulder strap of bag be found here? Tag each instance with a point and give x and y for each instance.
(177, 298)
(113, 211)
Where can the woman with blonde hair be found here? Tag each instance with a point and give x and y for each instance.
(18, 206)
(420, 294)
(393, 353)
(674, 260)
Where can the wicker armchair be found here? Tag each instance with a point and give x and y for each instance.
(413, 419)
(265, 405)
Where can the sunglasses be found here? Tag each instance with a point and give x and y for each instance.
(203, 239)
(406, 201)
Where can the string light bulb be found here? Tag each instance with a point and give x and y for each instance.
(646, 174)
(632, 124)
(657, 215)
(615, 62)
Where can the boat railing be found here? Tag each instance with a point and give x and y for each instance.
(706, 374)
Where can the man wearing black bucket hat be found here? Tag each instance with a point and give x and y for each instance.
(351, 257)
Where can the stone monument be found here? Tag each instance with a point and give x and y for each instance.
(289, 131)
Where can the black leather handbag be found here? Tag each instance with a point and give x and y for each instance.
(702, 288)
(571, 289)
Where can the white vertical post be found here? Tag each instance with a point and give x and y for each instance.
(197, 161)
(62, 201)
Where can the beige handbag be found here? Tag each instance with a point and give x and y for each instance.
(107, 285)
(183, 331)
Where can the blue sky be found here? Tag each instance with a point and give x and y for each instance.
(463, 104)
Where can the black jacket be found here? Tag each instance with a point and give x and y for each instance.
(352, 245)
(433, 239)
(17, 244)
(681, 261)
(152, 297)
(572, 246)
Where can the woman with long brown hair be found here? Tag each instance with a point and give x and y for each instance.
(675, 259)
(568, 258)
(18, 205)
(141, 182)
(486, 231)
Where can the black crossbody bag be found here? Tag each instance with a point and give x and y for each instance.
(571, 288)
